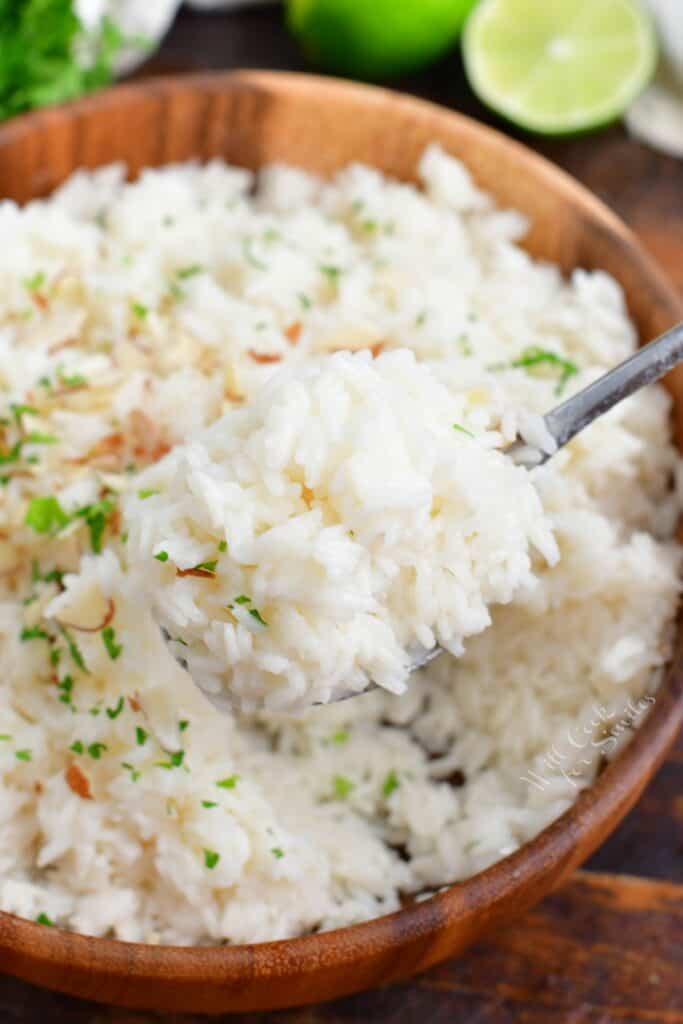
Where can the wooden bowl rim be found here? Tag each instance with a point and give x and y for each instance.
(537, 860)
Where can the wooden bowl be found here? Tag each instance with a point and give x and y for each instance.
(251, 118)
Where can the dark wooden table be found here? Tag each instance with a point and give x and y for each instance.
(608, 947)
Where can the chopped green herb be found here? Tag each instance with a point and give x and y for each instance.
(141, 736)
(19, 409)
(55, 656)
(304, 300)
(35, 281)
(271, 235)
(161, 556)
(74, 380)
(277, 852)
(147, 493)
(534, 356)
(223, 546)
(77, 747)
(36, 438)
(117, 709)
(206, 566)
(66, 686)
(462, 430)
(96, 517)
(211, 858)
(175, 760)
(184, 272)
(44, 919)
(33, 633)
(95, 711)
(46, 515)
(465, 346)
(74, 650)
(209, 803)
(390, 783)
(249, 255)
(113, 649)
(23, 755)
(134, 773)
(96, 750)
(256, 614)
(228, 783)
(342, 786)
(139, 310)
(183, 725)
(332, 273)
(243, 599)
(369, 226)
(29, 600)
(13, 455)
(340, 736)
(179, 640)
(176, 291)
(421, 318)
(5, 736)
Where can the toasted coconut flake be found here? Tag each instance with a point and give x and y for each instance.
(293, 332)
(234, 396)
(203, 574)
(134, 702)
(265, 357)
(78, 782)
(377, 349)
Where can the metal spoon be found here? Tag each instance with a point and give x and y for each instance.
(563, 423)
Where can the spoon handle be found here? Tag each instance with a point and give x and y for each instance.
(644, 367)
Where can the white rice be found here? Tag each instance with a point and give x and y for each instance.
(134, 316)
(345, 524)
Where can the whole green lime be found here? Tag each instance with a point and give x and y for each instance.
(376, 39)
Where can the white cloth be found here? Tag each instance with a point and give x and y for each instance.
(656, 117)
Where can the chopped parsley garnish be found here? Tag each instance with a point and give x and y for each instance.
(77, 747)
(55, 656)
(256, 614)
(139, 310)
(33, 633)
(141, 736)
(209, 803)
(66, 686)
(134, 773)
(342, 786)
(211, 858)
(35, 281)
(13, 455)
(29, 600)
(37, 576)
(462, 430)
(228, 783)
(175, 760)
(96, 750)
(161, 556)
(5, 737)
(249, 255)
(465, 346)
(390, 783)
(223, 546)
(74, 380)
(206, 566)
(117, 709)
(109, 641)
(44, 919)
(340, 736)
(74, 650)
(147, 493)
(96, 517)
(23, 755)
(331, 273)
(271, 235)
(46, 515)
(304, 300)
(277, 852)
(243, 599)
(534, 356)
(369, 226)
(184, 272)
(183, 724)
(19, 409)
(37, 438)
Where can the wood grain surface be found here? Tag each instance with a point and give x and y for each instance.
(608, 946)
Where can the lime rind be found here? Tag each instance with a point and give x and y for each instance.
(510, 65)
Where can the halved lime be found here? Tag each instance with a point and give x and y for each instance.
(376, 38)
(559, 66)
